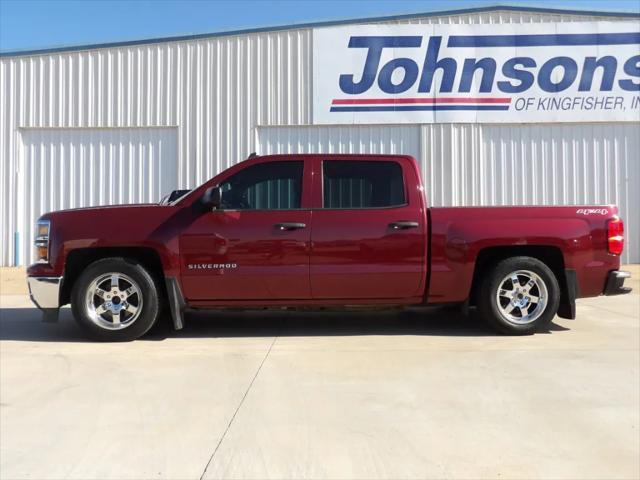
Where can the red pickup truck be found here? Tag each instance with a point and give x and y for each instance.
(304, 231)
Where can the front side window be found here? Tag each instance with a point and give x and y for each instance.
(265, 186)
(361, 184)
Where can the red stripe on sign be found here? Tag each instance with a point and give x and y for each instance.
(430, 100)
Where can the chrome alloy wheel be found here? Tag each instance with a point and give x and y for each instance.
(521, 297)
(114, 301)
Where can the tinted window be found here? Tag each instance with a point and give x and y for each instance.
(265, 186)
(362, 184)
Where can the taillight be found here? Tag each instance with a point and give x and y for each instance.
(615, 236)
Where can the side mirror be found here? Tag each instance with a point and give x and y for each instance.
(211, 198)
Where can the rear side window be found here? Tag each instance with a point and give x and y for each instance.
(362, 184)
(264, 186)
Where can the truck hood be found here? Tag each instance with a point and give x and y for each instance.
(97, 209)
(126, 224)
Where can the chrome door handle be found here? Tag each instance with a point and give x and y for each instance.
(404, 225)
(290, 226)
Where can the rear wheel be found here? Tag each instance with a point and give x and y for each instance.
(115, 299)
(519, 296)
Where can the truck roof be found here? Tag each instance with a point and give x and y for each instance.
(346, 156)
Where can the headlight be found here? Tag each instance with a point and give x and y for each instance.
(42, 241)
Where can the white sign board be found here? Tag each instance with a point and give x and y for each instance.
(564, 72)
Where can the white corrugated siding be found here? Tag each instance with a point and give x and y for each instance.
(72, 168)
(216, 91)
(546, 164)
(389, 139)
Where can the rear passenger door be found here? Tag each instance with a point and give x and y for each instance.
(368, 236)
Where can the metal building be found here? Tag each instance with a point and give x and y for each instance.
(128, 122)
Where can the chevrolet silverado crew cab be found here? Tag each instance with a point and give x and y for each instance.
(304, 231)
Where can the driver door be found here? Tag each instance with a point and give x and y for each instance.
(256, 245)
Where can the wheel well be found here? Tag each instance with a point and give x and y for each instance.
(79, 259)
(489, 257)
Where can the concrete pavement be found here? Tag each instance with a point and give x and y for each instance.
(333, 395)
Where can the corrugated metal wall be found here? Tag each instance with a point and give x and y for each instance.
(390, 139)
(546, 164)
(216, 91)
(71, 168)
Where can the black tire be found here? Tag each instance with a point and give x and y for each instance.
(148, 288)
(494, 309)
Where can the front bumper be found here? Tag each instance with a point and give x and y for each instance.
(615, 283)
(45, 291)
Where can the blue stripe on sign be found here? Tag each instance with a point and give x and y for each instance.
(544, 40)
(414, 108)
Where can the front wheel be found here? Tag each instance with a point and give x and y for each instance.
(519, 296)
(115, 299)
